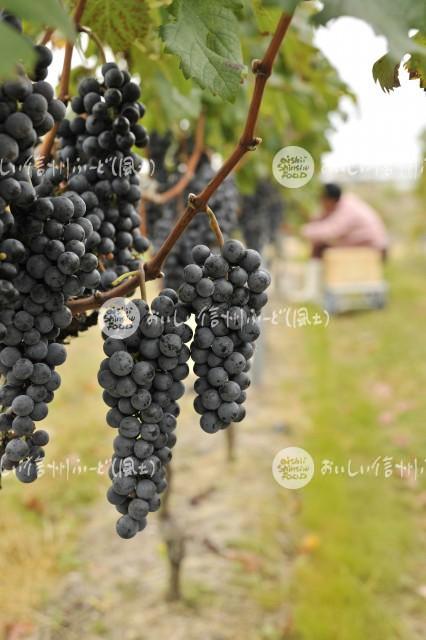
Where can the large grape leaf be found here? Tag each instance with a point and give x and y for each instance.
(164, 86)
(14, 48)
(47, 12)
(386, 72)
(204, 35)
(118, 23)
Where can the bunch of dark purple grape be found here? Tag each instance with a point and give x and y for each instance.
(97, 144)
(161, 218)
(142, 377)
(226, 292)
(43, 261)
(159, 147)
(224, 203)
(45, 254)
(261, 215)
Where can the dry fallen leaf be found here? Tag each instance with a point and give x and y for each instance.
(200, 497)
(309, 543)
(34, 504)
(249, 561)
(90, 387)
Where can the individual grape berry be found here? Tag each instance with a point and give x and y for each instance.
(16, 450)
(233, 251)
(127, 527)
(27, 472)
(9, 149)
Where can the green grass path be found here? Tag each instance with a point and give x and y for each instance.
(364, 395)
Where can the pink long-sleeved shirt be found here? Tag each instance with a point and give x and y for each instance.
(352, 223)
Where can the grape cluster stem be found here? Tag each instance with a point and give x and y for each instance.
(142, 283)
(93, 36)
(215, 227)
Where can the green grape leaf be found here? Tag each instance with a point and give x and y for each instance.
(390, 19)
(266, 17)
(204, 37)
(15, 48)
(176, 106)
(118, 23)
(163, 85)
(288, 6)
(386, 73)
(48, 12)
(416, 64)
